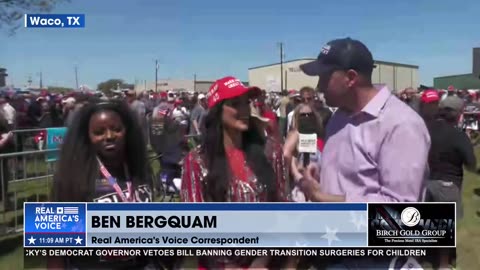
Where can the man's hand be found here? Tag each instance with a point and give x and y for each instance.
(309, 183)
(311, 187)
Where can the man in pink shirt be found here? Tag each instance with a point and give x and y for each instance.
(376, 146)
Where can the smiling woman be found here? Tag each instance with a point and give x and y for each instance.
(232, 165)
(103, 159)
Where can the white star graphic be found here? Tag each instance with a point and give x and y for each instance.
(31, 240)
(331, 235)
(357, 220)
(78, 240)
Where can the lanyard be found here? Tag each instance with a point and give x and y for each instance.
(113, 182)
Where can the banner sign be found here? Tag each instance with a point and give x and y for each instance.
(54, 141)
(225, 225)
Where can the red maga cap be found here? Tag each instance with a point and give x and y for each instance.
(429, 96)
(228, 88)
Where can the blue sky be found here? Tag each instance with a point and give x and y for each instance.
(214, 38)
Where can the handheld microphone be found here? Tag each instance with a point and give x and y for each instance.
(307, 142)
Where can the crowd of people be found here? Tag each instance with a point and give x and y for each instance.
(240, 144)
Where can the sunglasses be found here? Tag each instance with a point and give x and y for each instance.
(307, 99)
(237, 102)
(306, 114)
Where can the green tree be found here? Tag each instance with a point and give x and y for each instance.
(59, 89)
(12, 11)
(112, 84)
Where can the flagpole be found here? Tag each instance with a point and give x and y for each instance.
(156, 76)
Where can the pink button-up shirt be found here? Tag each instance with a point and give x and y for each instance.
(377, 155)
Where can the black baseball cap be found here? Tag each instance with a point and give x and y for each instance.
(341, 54)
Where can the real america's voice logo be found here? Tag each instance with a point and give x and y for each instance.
(54, 20)
(422, 224)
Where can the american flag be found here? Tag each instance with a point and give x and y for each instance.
(70, 210)
(325, 49)
(163, 112)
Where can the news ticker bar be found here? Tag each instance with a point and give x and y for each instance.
(223, 225)
(54, 20)
(219, 252)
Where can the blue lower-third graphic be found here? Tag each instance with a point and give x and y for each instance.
(55, 224)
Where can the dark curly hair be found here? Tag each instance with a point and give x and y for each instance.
(77, 169)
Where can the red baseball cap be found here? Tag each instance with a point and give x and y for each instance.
(228, 88)
(451, 88)
(429, 96)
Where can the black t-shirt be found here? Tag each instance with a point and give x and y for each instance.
(104, 193)
(449, 152)
(34, 111)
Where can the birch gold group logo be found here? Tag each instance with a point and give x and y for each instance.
(410, 216)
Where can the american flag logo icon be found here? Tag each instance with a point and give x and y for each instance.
(325, 49)
(70, 210)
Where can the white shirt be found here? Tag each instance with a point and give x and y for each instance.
(289, 120)
(9, 113)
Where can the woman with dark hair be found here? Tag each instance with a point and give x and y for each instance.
(230, 165)
(102, 159)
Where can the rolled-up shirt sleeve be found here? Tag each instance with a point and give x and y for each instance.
(402, 165)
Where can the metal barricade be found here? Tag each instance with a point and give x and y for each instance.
(25, 139)
(29, 182)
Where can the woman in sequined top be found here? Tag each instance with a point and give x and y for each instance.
(231, 164)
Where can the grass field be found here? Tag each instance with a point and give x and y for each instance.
(468, 229)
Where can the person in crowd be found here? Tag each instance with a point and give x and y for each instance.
(68, 104)
(196, 114)
(264, 111)
(323, 111)
(307, 96)
(103, 159)
(450, 153)
(273, 145)
(160, 114)
(181, 115)
(203, 101)
(9, 113)
(7, 145)
(35, 112)
(138, 107)
(365, 137)
(412, 99)
(282, 117)
(230, 165)
(46, 120)
(451, 90)
(304, 118)
(429, 104)
(56, 112)
(80, 101)
(471, 118)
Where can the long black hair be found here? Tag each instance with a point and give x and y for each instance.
(77, 168)
(217, 181)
